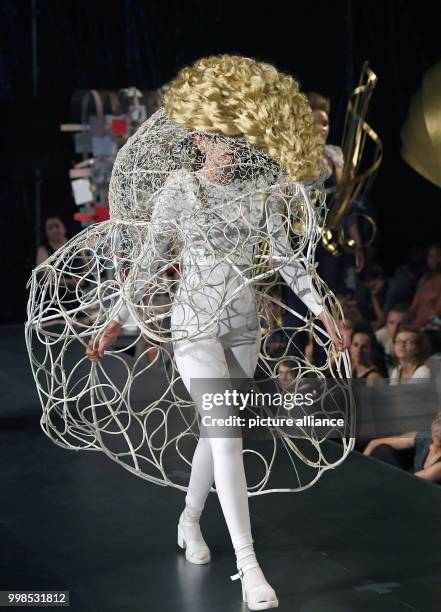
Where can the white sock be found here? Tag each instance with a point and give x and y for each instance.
(253, 577)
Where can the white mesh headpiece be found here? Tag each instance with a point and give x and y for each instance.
(162, 146)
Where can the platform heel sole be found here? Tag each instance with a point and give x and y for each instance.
(181, 540)
(188, 550)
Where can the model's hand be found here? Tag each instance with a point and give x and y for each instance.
(341, 344)
(97, 346)
(272, 262)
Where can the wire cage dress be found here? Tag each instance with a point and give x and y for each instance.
(191, 237)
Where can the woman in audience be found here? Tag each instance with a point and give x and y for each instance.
(361, 349)
(71, 283)
(397, 315)
(55, 231)
(427, 450)
(411, 350)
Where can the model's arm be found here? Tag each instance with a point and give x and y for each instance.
(153, 259)
(406, 440)
(161, 232)
(294, 272)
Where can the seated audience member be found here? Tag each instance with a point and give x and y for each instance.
(377, 285)
(275, 340)
(411, 351)
(427, 301)
(402, 285)
(286, 372)
(370, 295)
(349, 305)
(55, 232)
(396, 316)
(426, 451)
(361, 351)
(72, 281)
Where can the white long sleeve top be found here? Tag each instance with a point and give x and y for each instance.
(211, 223)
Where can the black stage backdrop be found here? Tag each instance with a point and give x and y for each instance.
(83, 44)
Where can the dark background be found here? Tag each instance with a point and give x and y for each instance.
(85, 44)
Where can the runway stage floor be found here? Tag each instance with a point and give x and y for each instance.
(365, 538)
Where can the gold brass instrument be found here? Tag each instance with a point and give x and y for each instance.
(358, 173)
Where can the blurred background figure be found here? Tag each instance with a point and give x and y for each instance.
(427, 301)
(403, 282)
(275, 340)
(286, 372)
(335, 271)
(371, 289)
(55, 237)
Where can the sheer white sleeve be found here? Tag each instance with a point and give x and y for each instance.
(153, 257)
(294, 272)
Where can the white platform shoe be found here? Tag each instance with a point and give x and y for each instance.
(261, 597)
(190, 538)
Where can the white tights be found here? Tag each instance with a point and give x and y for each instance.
(220, 460)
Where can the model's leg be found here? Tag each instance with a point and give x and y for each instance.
(205, 359)
(201, 480)
(229, 472)
(192, 361)
(242, 361)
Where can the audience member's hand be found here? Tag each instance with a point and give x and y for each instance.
(376, 285)
(97, 346)
(359, 260)
(372, 445)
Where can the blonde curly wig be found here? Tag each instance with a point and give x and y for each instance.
(239, 96)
